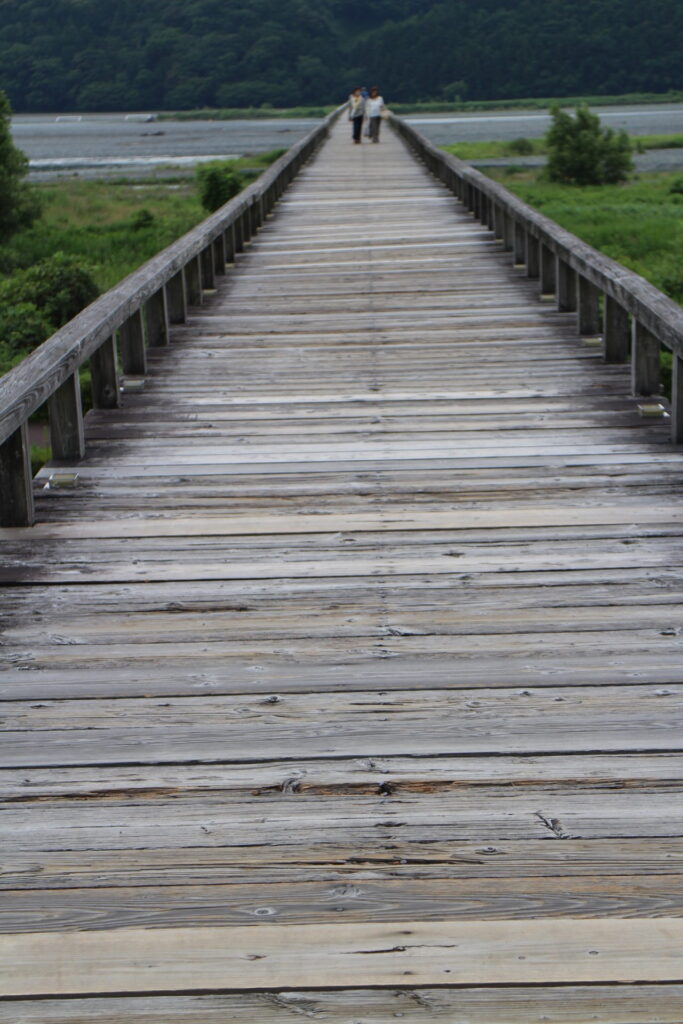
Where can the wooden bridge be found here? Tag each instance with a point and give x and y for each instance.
(344, 682)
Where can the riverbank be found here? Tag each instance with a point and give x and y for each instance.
(427, 107)
(111, 146)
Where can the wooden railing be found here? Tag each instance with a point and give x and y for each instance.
(116, 329)
(633, 318)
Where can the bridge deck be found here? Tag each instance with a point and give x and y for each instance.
(354, 662)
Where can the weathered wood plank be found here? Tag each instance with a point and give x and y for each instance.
(338, 861)
(358, 901)
(272, 956)
(567, 1004)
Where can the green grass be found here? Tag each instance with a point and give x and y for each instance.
(487, 150)
(643, 142)
(639, 224)
(101, 223)
(537, 147)
(115, 226)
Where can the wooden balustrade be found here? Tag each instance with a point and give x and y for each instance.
(634, 319)
(116, 329)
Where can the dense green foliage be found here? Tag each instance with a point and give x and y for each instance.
(582, 152)
(178, 54)
(37, 301)
(17, 204)
(218, 182)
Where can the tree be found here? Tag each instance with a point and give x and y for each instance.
(582, 152)
(18, 206)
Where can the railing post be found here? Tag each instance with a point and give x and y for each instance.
(498, 223)
(228, 241)
(65, 410)
(617, 332)
(590, 321)
(229, 237)
(176, 298)
(532, 258)
(16, 487)
(193, 282)
(566, 287)
(206, 263)
(105, 378)
(548, 270)
(156, 317)
(255, 214)
(238, 232)
(508, 232)
(490, 214)
(520, 244)
(644, 362)
(677, 399)
(132, 346)
(219, 259)
(245, 223)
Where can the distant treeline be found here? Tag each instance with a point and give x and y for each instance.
(98, 55)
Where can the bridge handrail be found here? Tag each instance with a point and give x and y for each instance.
(139, 309)
(634, 318)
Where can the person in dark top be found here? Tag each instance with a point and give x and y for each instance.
(356, 113)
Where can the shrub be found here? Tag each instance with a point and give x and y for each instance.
(676, 187)
(142, 220)
(521, 147)
(59, 287)
(22, 328)
(581, 152)
(218, 183)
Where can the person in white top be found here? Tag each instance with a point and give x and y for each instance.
(374, 109)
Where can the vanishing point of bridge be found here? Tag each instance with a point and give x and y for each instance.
(345, 684)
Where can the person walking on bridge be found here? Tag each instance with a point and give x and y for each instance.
(375, 110)
(356, 113)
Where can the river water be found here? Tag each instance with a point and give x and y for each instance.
(110, 145)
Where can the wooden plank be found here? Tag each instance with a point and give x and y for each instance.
(365, 822)
(357, 901)
(566, 1004)
(370, 776)
(339, 861)
(397, 519)
(289, 956)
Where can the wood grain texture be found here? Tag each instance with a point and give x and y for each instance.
(270, 957)
(566, 1004)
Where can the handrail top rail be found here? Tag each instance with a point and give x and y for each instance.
(652, 308)
(25, 387)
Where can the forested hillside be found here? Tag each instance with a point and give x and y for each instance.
(180, 54)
